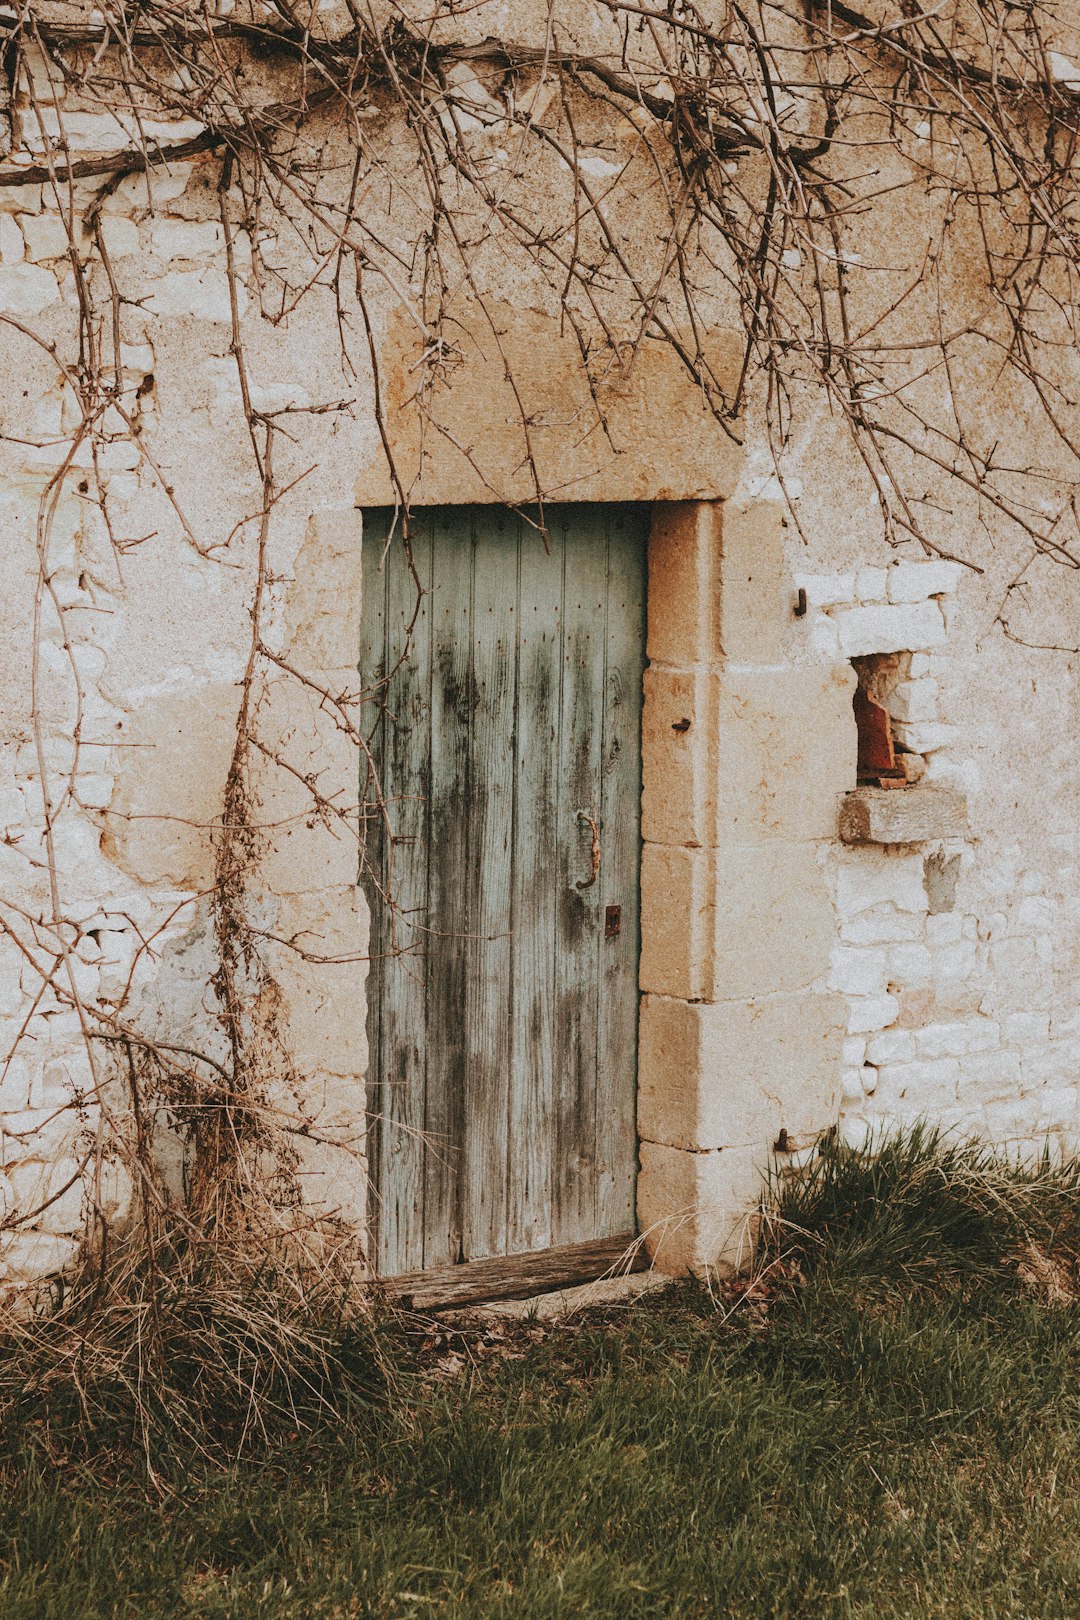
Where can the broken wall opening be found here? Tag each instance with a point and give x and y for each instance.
(883, 760)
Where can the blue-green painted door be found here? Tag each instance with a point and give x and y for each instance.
(502, 826)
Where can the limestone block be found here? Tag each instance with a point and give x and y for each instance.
(881, 925)
(826, 590)
(755, 615)
(869, 1013)
(890, 629)
(170, 784)
(137, 359)
(924, 737)
(1057, 1107)
(698, 1211)
(305, 850)
(679, 772)
(912, 815)
(20, 199)
(11, 994)
(58, 1083)
(871, 584)
(824, 639)
(913, 701)
(774, 923)
(334, 1177)
(26, 289)
(917, 581)
(786, 752)
(958, 1039)
(858, 972)
(736, 1073)
(892, 1046)
(121, 237)
(114, 1189)
(876, 878)
(43, 1131)
(15, 1080)
(996, 1073)
(203, 294)
(851, 1085)
(684, 584)
(187, 239)
(917, 1007)
(1026, 1029)
(910, 964)
(52, 1193)
(85, 131)
(12, 245)
(27, 1257)
(677, 903)
(516, 366)
(46, 236)
(323, 601)
(321, 975)
(923, 1086)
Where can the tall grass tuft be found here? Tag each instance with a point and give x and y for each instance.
(183, 1351)
(918, 1209)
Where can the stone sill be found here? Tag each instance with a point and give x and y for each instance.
(911, 815)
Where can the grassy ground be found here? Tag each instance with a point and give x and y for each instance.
(888, 1425)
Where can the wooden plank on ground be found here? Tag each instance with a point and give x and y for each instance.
(518, 1276)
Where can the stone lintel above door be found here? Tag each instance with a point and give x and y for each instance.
(510, 407)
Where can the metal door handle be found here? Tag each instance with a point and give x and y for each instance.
(594, 826)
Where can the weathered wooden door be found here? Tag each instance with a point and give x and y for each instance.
(503, 879)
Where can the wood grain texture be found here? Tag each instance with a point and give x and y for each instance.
(519, 1276)
(396, 648)
(503, 1041)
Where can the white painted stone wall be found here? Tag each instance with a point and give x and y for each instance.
(127, 639)
(958, 958)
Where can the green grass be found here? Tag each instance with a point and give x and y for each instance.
(888, 1426)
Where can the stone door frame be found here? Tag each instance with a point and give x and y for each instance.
(748, 745)
(746, 752)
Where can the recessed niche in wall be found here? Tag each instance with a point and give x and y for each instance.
(881, 761)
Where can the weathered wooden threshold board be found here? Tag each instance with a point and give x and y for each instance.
(517, 1276)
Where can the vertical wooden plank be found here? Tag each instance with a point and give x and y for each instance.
(616, 1052)
(578, 913)
(487, 948)
(372, 854)
(535, 881)
(452, 702)
(399, 914)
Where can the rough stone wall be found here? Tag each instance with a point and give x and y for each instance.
(957, 955)
(790, 980)
(124, 647)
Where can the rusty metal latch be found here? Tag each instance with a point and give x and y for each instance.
(591, 821)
